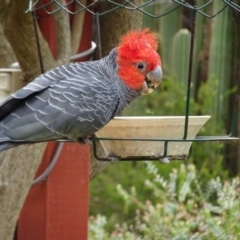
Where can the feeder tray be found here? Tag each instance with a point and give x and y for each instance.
(149, 128)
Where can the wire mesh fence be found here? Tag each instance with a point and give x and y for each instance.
(159, 8)
(76, 6)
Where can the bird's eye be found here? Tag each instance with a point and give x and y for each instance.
(140, 66)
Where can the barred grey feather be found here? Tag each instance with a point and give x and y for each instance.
(68, 102)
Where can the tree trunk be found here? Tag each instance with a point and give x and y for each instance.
(17, 169)
(6, 53)
(116, 23)
(22, 39)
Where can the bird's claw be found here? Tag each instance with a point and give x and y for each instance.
(113, 158)
(163, 159)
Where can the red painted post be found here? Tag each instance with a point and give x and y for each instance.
(48, 28)
(57, 209)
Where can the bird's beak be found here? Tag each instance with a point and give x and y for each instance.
(152, 80)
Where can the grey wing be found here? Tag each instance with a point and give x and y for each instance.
(39, 84)
(77, 105)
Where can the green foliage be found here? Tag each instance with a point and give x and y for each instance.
(220, 47)
(180, 208)
(209, 161)
(104, 198)
(167, 32)
(167, 100)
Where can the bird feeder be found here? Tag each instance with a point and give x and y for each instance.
(121, 129)
(150, 138)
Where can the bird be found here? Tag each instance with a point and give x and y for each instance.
(73, 101)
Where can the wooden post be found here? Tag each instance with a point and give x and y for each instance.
(57, 208)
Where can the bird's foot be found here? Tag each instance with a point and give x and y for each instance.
(85, 140)
(113, 158)
(163, 159)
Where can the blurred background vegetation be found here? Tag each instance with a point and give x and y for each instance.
(198, 197)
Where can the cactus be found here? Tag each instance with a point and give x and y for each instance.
(169, 25)
(180, 55)
(147, 20)
(219, 61)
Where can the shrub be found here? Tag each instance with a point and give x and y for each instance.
(180, 208)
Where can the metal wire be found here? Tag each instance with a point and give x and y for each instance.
(98, 36)
(37, 42)
(51, 165)
(46, 5)
(85, 53)
(234, 140)
(189, 82)
(72, 58)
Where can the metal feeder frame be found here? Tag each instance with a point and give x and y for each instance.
(38, 4)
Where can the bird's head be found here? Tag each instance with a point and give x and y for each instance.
(139, 64)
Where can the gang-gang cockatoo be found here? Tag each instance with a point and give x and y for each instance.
(74, 101)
